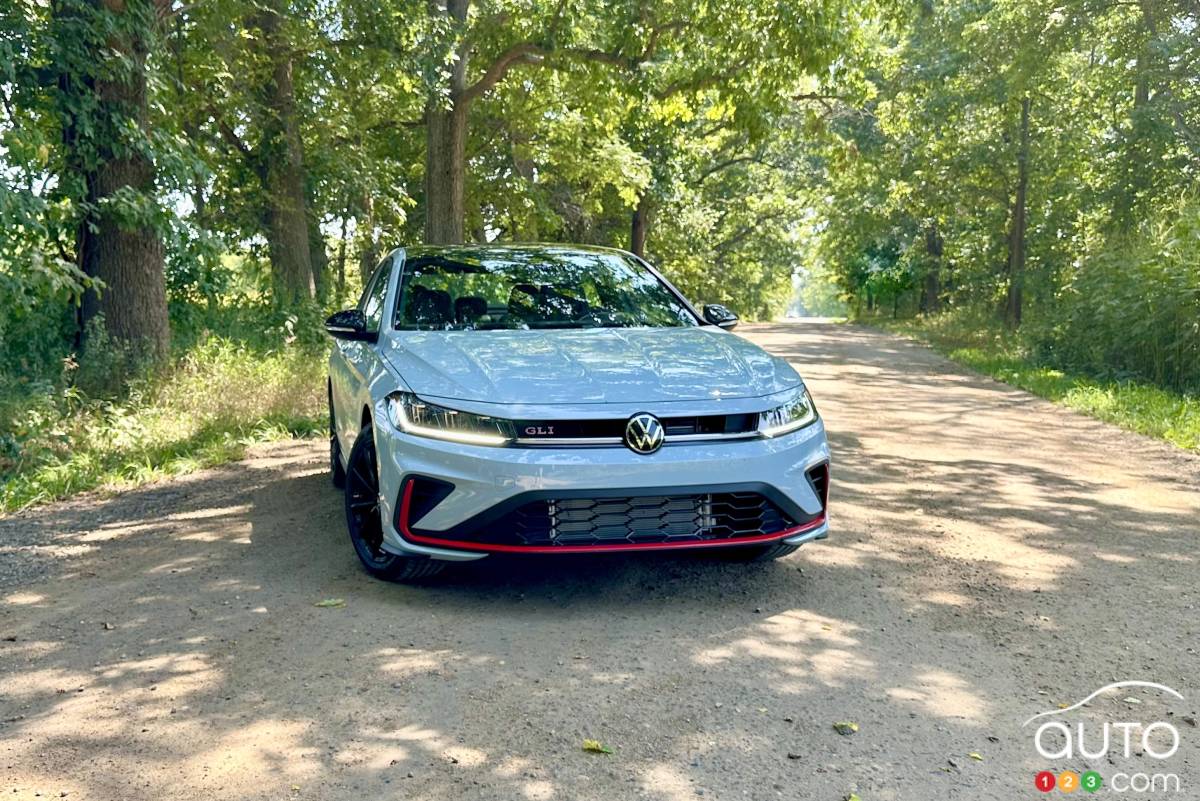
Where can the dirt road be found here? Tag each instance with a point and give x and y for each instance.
(992, 557)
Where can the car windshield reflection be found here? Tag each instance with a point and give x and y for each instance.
(543, 288)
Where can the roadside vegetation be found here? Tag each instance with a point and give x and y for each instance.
(186, 189)
(1020, 191)
(219, 396)
(1132, 404)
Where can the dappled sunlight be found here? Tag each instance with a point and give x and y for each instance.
(946, 598)
(24, 598)
(207, 514)
(665, 782)
(370, 753)
(44, 683)
(799, 645)
(112, 531)
(174, 673)
(398, 663)
(438, 744)
(430, 739)
(467, 757)
(943, 695)
(624, 679)
(1173, 557)
(214, 535)
(179, 565)
(257, 754)
(855, 555)
(536, 790)
(1115, 558)
(1022, 565)
(513, 766)
(185, 658)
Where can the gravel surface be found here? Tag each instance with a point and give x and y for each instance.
(992, 557)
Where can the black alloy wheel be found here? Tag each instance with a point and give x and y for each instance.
(365, 522)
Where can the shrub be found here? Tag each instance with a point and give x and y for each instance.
(1132, 308)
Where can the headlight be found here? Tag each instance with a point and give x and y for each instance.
(412, 415)
(795, 414)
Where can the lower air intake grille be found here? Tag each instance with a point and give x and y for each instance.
(657, 519)
(819, 478)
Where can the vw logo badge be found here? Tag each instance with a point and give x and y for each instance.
(644, 433)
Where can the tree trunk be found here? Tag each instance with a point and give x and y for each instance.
(637, 228)
(125, 255)
(282, 167)
(446, 148)
(1016, 240)
(931, 300)
(445, 175)
(1139, 150)
(368, 256)
(527, 229)
(341, 255)
(1145, 58)
(319, 257)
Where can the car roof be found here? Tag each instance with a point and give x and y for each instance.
(542, 250)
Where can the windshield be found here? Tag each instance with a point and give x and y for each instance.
(538, 288)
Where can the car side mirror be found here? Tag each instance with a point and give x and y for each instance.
(350, 325)
(718, 315)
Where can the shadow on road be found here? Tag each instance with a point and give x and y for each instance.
(986, 549)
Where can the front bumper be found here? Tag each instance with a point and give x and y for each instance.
(487, 478)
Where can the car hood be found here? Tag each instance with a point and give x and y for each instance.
(599, 365)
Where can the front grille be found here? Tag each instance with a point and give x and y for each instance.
(636, 520)
(530, 431)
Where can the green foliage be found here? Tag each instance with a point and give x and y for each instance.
(1132, 308)
(828, 155)
(918, 186)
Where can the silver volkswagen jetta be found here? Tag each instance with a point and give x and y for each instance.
(555, 399)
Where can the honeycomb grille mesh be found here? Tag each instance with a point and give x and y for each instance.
(649, 519)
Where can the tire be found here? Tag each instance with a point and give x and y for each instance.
(364, 521)
(759, 553)
(337, 473)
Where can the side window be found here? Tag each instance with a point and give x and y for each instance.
(373, 299)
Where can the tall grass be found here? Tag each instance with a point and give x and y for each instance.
(219, 397)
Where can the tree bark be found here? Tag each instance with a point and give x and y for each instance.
(368, 256)
(1016, 240)
(281, 157)
(341, 255)
(637, 228)
(318, 256)
(125, 255)
(1145, 58)
(931, 293)
(446, 147)
(1139, 150)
